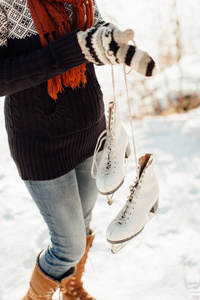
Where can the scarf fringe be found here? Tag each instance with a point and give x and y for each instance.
(54, 86)
(74, 78)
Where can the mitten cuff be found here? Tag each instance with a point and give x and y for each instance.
(90, 46)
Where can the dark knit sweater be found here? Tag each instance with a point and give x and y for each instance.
(47, 139)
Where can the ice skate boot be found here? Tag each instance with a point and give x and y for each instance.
(112, 167)
(141, 206)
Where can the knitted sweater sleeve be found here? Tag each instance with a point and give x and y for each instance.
(21, 72)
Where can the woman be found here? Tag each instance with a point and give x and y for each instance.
(54, 114)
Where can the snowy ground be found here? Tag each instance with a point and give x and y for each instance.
(163, 262)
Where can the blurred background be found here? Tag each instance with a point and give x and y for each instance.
(170, 32)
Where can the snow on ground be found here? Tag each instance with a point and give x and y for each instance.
(163, 262)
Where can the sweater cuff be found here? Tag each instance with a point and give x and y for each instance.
(67, 52)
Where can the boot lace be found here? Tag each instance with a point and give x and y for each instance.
(47, 296)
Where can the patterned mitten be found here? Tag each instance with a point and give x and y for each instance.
(106, 44)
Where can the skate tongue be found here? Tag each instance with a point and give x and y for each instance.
(142, 162)
(111, 108)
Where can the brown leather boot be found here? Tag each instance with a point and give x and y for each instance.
(42, 287)
(73, 289)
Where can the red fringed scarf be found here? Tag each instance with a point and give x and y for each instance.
(52, 22)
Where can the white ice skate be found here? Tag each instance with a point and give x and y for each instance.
(141, 206)
(116, 151)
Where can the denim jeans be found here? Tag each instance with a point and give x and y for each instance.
(66, 205)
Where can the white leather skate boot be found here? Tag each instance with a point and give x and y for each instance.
(141, 206)
(112, 167)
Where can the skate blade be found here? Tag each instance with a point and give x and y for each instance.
(117, 246)
(154, 210)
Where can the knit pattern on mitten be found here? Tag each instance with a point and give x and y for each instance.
(106, 44)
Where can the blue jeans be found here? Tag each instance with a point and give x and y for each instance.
(66, 205)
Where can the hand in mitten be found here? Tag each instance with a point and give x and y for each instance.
(106, 44)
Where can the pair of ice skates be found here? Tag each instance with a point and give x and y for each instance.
(142, 203)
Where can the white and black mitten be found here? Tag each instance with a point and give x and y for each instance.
(106, 44)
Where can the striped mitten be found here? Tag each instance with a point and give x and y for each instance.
(106, 44)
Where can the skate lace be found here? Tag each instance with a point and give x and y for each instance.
(110, 153)
(110, 156)
(108, 135)
(130, 204)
